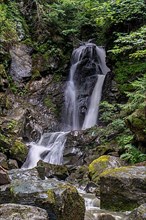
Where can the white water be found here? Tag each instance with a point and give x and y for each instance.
(51, 145)
(49, 149)
(92, 113)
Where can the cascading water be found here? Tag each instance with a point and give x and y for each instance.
(82, 97)
(88, 71)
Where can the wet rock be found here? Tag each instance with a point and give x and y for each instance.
(19, 151)
(82, 147)
(123, 188)
(22, 174)
(12, 164)
(4, 178)
(3, 161)
(139, 213)
(78, 175)
(105, 217)
(91, 187)
(52, 171)
(101, 164)
(21, 65)
(60, 200)
(22, 212)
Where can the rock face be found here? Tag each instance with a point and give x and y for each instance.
(61, 201)
(21, 64)
(22, 212)
(123, 188)
(139, 213)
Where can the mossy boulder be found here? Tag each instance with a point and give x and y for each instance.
(101, 164)
(61, 201)
(123, 188)
(3, 161)
(137, 124)
(19, 151)
(52, 171)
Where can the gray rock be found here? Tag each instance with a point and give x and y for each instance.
(22, 212)
(12, 164)
(61, 200)
(59, 172)
(4, 178)
(3, 161)
(139, 213)
(21, 64)
(123, 188)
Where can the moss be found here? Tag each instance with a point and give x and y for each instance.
(102, 160)
(12, 124)
(48, 103)
(113, 171)
(35, 74)
(120, 206)
(19, 151)
(98, 166)
(2, 71)
(51, 196)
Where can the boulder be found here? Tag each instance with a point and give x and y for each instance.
(3, 161)
(22, 212)
(139, 213)
(101, 164)
(4, 178)
(61, 201)
(123, 188)
(21, 64)
(82, 147)
(52, 171)
(12, 164)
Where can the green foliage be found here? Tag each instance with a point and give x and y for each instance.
(8, 33)
(132, 154)
(108, 111)
(126, 72)
(14, 87)
(120, 12)
(132, 43)
(117, 125)
(138, 96)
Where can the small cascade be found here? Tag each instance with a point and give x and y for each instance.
(82, 96)
(49, 149)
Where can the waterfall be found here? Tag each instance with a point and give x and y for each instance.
(92, 113)
(90, 59)
(82, 96)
